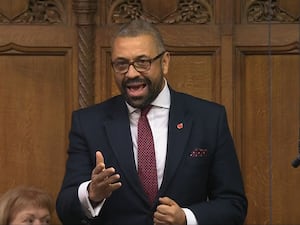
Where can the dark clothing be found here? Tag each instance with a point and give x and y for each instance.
(201, 172)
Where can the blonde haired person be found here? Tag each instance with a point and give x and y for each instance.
(25, 206)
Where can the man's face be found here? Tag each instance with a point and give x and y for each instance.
(139, 88)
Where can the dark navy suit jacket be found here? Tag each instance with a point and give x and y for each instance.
(201, 173)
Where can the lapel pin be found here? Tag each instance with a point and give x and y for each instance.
(179, 126)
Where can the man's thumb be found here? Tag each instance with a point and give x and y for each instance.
(99, 158)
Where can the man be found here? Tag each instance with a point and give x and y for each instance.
(197, 174)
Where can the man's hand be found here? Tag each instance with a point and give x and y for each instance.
(169, 212)
(103, 181)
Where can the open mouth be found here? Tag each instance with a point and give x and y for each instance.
(136, 89)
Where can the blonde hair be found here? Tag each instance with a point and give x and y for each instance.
(15, 200)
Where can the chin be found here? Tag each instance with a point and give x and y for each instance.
(135, 102)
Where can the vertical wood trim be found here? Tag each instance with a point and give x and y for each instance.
(85, 12)
(226, 21)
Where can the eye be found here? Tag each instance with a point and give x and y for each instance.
(120, 64)
(45, 221)
(142, 62)
(28, 220)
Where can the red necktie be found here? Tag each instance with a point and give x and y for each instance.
(146, 156)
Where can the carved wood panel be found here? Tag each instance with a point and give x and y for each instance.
(222, 50)
(269, 117)
(200, 65)
(35, 96)
(32, 12)
(36, 90)
(170, 12)
(267, 109)
(275, 11)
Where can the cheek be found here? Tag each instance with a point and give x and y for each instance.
(118, 80)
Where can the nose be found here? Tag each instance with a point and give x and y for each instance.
(132, 72)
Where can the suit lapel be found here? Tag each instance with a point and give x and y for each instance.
(119, 135)
(118, 132)
(179, 129)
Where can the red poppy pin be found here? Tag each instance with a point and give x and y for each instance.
(179, 126)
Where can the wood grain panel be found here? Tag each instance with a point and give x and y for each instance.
(269, 108)
(255, 137)
(284, 138)
(34, 116)
(220, 51)
(198, 75)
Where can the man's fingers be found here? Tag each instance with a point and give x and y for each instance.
(100, 166)
(165, 205)
(99, 159)
(115, 186)
(102, 173)
(167, 201)
(109, 182)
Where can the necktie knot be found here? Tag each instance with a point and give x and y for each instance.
(145, 110)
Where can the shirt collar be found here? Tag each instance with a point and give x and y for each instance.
(163, 100)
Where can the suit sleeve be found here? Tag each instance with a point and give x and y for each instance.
(78, 170)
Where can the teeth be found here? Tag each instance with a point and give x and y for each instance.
(136, 86)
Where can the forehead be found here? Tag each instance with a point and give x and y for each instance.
(129, 47)
(31, 210)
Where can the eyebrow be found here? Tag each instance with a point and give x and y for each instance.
(137, 57)
(46, 216)
(30, 214)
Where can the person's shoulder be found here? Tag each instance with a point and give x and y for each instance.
(196, 102)
(200, 108)
(103, 107)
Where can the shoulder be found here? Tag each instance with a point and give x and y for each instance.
(201, 111)
(102, 109)
(196, 104)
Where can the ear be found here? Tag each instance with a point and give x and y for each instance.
(165, 63)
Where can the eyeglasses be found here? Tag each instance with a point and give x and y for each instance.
(140, 65)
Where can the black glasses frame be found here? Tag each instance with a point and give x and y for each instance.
(135, 65)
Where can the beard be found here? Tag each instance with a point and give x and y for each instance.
(141, 101)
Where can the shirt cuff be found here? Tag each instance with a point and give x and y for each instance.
(190, 217)
(86, 205)
(91, 211)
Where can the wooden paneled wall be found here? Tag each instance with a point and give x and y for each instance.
(38, 86)
(55, 57)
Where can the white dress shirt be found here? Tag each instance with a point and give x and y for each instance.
(158, 118)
